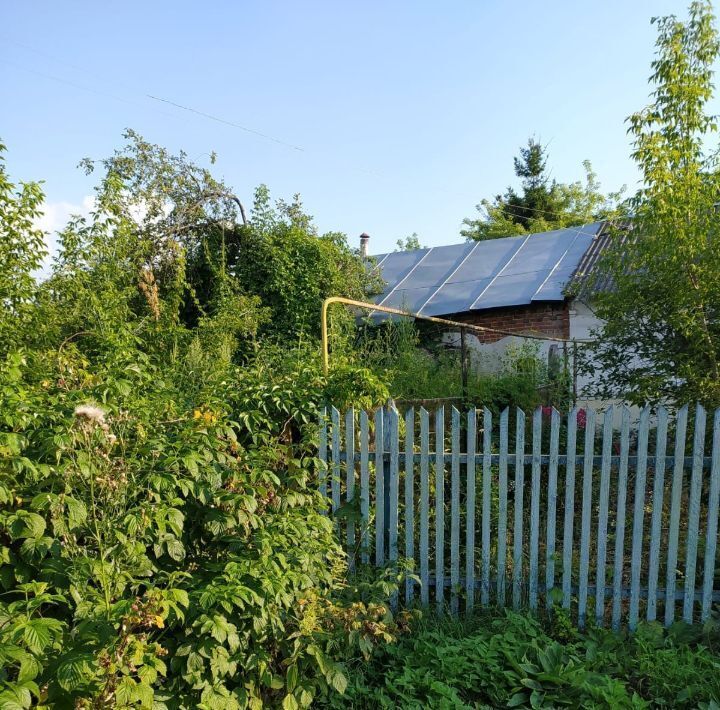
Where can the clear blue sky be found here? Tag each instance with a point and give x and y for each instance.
(408, 113)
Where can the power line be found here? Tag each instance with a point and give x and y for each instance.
(197, 112)
(222, 120)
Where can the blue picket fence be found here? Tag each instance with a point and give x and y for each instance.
(617, 520)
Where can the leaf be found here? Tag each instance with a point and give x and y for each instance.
(291, 678)
(180, 596)
(289, 702)
(75, 671)
(27, 524)
(126, 692)
(517, 700)
(339, 682)
(144, 695)
(77, 512)
(175, 549)
(37, 635)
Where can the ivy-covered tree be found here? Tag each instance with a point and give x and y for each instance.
(661, 337)
(280, 258)
(541, 204)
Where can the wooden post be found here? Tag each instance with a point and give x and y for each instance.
(574, 381)
(464, 366)
(390, 445)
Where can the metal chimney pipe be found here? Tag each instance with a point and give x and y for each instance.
(364, 239)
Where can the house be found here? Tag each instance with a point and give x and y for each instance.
(516, 285)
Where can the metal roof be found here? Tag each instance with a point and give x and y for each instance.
(589, 278)
(471, 276)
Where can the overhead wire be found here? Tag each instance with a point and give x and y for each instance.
(197, 112)
(139, 92)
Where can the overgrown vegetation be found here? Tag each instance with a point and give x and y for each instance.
(157, 462)
(418, 365)
(162, 540)
(662, 334)
(507, 659)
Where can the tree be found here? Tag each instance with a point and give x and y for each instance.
(170, 245)
(661, 338)
(22, 250)
(410, 243)
(543, 204)
(280, 258)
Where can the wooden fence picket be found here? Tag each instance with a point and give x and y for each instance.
(424, 507)
(379, 488)
(676, 500)
(502, 508)
(620, 519)
(602, 524)
(350, 482)
(440, 510)
(551, 508)
(455, 512)
(585, 527)
(460, 496)
(694, 514)
(364, 487)
(409, 498)
(535, 508)
(486, 506)
(470, 508)
(712, 522)
(518, 526)
(657, 508)
(569, 507)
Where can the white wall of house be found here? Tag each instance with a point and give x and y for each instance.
(582, 322)
(488, 357)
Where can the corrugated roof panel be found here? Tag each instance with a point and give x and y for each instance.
(409, 299)
(454, 297)
(510, 290)
(554, 285)
(472, 276)
(522, 275)
(439, 264)
(396, 267)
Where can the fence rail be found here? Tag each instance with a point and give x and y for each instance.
(613, 519)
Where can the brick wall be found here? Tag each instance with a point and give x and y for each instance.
(547, 318)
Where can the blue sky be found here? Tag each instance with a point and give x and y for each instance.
(407, 113)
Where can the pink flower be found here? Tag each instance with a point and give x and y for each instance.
(581, 418)
(547, 411)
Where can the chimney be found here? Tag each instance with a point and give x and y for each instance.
(364, 239)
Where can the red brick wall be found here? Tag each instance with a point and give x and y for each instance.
(551, 319)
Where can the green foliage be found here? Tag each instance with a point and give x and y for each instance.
(417, 367)
(410, 243)
(160, 524)
(508, 659)
(280, 258)
(22, 251)
(543, 204)
(662, 334)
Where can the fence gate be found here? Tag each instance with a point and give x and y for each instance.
(606, 515)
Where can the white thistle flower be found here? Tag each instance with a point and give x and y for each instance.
(90, 413)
